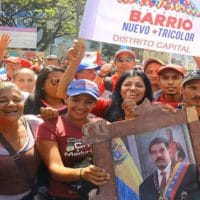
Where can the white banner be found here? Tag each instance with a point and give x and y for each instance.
(21, 37)
(162, 25)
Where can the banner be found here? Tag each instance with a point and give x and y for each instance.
(162, 25)
(21, 37)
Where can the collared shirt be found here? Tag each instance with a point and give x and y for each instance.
(167, 170)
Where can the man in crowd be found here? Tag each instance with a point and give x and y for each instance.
(151, 67)
(11, 65)
(191, 90)
(170, 80)
(177, 181)
(124, 60)
(52, 60)
(86, 71)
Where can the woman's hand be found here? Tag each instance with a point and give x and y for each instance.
(48, 113)
(95, 175)
(129, 106)
(165, 107)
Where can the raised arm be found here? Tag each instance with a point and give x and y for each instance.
(75, 55)
(4, 41)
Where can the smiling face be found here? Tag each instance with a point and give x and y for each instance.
(11, 105)
(79, 106)
(133, 88)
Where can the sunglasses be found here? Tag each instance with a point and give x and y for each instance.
(128, 59)
(54, 81)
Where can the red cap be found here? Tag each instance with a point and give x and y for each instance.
(151, 59)
(12, 59)
(129, 52)
(177, 68)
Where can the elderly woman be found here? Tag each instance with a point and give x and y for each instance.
(18, 131)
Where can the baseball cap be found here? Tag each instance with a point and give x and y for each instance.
(193, 75)
(83, 86)
(12, 59)
(174, 67)
(129, 52)
(151, 59)
(83, 66)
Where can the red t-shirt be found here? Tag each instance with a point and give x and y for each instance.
(114, 79)
(73, 153)
(101, 106)
(162, 100)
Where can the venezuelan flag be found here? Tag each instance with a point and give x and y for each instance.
(128, 177)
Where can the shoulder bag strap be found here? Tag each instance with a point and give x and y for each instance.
(16, 157)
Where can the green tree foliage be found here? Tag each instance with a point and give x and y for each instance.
(62, 14)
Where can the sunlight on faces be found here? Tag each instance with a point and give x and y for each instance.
(11, 67)
(126, 65)
(170, 81)
(25, 80)
(11, 104)
(79, 106)
(133, 88)
(51, 84)
(191, 93)
(152, 72)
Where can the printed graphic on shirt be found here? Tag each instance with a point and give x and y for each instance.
(75, 149)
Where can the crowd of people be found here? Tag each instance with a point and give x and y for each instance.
(42, 113)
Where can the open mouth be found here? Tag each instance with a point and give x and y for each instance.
(11, 111)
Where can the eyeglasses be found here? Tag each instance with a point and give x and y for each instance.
(128, 59)
(54, 81)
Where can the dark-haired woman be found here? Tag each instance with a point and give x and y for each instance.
(131, 89)
(45, 92)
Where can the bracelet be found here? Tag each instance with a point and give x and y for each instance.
(80, 174)
(100, 75)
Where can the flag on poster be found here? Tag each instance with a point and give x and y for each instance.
(128, 177)
(163, 25)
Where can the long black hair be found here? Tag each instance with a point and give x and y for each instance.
(114, 111)
(39, 92)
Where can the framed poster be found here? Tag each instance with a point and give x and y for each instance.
(179, 144)
(131, 164)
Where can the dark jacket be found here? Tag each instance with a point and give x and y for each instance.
(189, 186)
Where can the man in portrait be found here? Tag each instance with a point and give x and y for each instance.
(171, 180)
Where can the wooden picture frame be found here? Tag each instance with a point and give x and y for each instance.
(150, 118)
